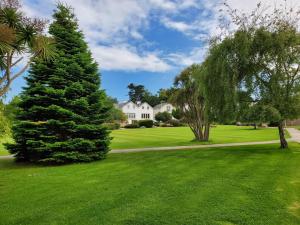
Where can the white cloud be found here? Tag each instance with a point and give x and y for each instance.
(125, 58)
(177, 25)
(196, 55)
(111, 25)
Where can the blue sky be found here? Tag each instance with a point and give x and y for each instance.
(141, 41)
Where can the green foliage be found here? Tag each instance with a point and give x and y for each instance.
(112, 126)
(19, 34)
(188, 95)
(4, 123)
(146, 123)
(262, 59)
(62, 107)
(177, 114)
(175, 123)
(11, 109)
(133, 125)
(114, 115)
(136, 92)
(258, 114)
(163, 117)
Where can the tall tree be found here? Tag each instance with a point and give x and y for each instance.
(62, 107)
(19, 35)
(189, 96)
(262, 58)
(136, 92)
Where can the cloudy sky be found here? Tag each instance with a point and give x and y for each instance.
(142, 41)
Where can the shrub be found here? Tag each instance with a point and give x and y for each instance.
(156, 124)
(177, 114)
(163, 116)
(112, 126)
(128, 126)
(146, 123)
(175, 123)
(165, 125)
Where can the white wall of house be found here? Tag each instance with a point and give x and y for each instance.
(163, 107)
(143, 111)
(134, 111)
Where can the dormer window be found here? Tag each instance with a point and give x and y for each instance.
(143, 107)
(147, 107)
(128, 106)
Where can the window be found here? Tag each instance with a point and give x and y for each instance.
(130, 115)
(145, 116)
(147, 107)
(143, 107)
(128, 106)
(168, 108)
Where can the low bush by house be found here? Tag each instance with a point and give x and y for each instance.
(146, 123)
(112, 126)
(129, 126)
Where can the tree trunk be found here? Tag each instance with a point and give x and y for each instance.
(255, 126)
(206, 131)
(283, 142)
(198, 134)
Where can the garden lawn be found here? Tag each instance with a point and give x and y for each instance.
(238, 185)
(178, 136)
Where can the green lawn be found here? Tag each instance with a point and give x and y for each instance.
(176, 136)
(237, 185)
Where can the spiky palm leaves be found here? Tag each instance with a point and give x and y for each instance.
(19, 36)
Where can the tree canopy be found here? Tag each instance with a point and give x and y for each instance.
(19, 35)
(62, 107)
(188, 95)
(262, 59)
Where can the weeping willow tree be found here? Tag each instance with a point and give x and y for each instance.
(262, 59)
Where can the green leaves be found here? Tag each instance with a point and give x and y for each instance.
(62, 107)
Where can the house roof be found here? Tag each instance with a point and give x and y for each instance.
(122, 104)
(161, 105)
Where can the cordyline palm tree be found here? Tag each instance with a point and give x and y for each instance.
(188, 96)
(20, 36)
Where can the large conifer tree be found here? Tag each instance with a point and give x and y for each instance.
(62, 107)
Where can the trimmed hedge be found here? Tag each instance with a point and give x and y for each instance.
(146, 123)
(129, 126)
(175, 123)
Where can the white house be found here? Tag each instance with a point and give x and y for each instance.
(143, 111)
(140, 111)
(163, 107)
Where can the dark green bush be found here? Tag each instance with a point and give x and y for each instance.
(165, 125)
(156, 124)
(163, 117)
(146, 123)
(112, 126)
(175, 123)
(128, 126)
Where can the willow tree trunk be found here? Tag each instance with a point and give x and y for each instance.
(283, 142)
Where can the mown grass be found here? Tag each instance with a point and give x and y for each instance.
(178, 136)
(236, 185)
